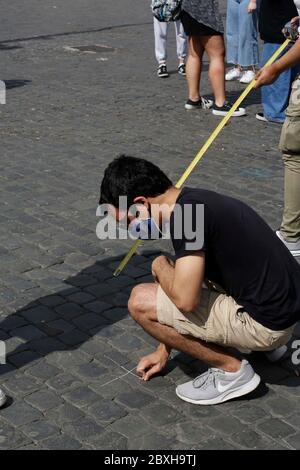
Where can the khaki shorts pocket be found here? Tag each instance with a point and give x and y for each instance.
(290, 136)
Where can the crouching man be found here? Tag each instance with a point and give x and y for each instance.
(257, 307)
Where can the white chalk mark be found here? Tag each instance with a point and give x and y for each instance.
(121, 376)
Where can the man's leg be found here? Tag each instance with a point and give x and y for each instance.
(290, 227)
(142, 307)
(290, 147)
(229, 378)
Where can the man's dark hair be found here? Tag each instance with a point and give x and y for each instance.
(132, 177)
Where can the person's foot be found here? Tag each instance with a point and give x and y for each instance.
(223, 110)
(162, 71)
(2, 398)
(247, 76)
(262, 117)
(233, 74)
(181, 69)
(202, 103)
(294, 247)
(217, 386)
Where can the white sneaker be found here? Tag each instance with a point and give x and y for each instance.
(233, 74)
(216, 386)
(203, 103)
(247, 76)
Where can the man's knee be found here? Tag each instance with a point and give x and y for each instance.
(142, 301)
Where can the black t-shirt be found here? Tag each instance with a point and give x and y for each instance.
(273, 15)
(243, 255)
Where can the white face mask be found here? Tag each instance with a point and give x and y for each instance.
(145, 229)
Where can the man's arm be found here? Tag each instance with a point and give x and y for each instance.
(182, 283)
(269, 74)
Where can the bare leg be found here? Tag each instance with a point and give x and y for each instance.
(142, 307)
(215, 49)
(194, 66)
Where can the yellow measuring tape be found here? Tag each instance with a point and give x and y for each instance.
(202, 151)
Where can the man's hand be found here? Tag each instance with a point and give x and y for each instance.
(252, 6)
(266, 76)
(295, 21)
(153, 363)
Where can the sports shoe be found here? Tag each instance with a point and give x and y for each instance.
(181, 69)
(162, 71)
(203, 103)
(247, 76)
(276, 354)
(233, 74)
(217, 386)
(2, 398)
(294, 247)
(223, 110)
(262, 117)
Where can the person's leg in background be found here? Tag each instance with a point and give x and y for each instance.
(215, 49)
(232, 40)
(290, 227)
(160, 39)
(247, 45)
(194, 67)
(181, 42)
(275, 97)
(290, 147)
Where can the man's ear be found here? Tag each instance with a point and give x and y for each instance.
(142, 206)
(141, 200)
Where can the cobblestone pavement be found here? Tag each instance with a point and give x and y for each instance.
(72, 348)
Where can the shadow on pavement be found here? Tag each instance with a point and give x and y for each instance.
(92, 304)
(15, 83)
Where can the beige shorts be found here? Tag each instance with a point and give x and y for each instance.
(220, 320)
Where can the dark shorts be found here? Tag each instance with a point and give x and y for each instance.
(193, 28)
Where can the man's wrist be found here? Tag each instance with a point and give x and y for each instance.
(159, 264)
(164, 349)
(277, 67)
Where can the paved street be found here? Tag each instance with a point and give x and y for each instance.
(72, 347)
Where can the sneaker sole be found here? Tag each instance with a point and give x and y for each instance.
(163, 76)
(261, 118)
(235, 114)
(237, 79)
(236, 393)
(294, 253)
(190, 106)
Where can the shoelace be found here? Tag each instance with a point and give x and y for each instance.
(205, 103)
(205, 379)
